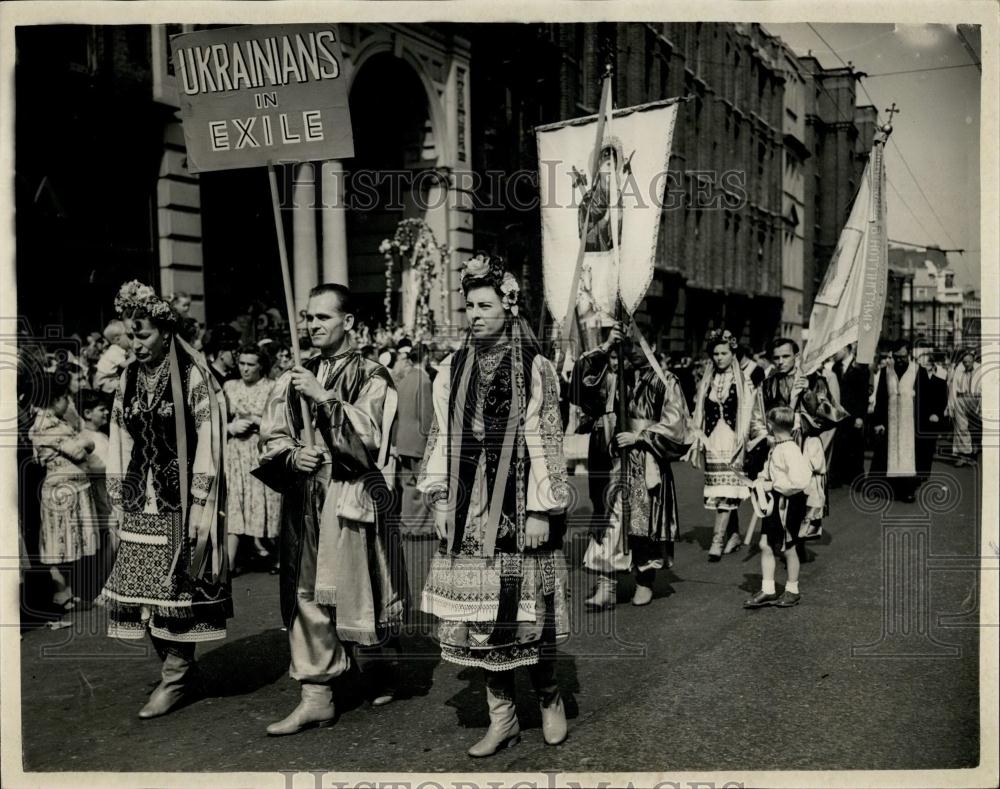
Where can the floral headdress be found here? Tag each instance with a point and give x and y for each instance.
(135, 299)
(721, 335)
(491, 269)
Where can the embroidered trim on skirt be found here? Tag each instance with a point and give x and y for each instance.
(724, 488)
(493, 612)
(141, 592)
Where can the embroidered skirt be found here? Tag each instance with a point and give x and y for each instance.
(142, 593)
(724, 488)
(493, 612)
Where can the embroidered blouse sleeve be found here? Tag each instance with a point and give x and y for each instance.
(434, 468)
(204, 469)
(547, 485)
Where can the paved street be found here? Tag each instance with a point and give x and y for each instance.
(691, 682)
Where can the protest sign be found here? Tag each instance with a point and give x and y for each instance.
(262, 94)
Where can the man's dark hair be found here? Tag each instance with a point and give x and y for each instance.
(344, 300)
(777, 343)
(899, 345)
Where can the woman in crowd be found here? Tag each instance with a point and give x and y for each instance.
(163, 469)
(494, 469)
(728, 422)
(69, 524)
(252, 508)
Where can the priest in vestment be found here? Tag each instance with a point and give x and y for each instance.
(904, 421)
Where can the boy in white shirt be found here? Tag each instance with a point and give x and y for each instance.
(780, 500)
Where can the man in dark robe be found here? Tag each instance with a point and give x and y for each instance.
(848, 461)
(342, 579)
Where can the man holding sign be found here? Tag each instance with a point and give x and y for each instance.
(341, 565)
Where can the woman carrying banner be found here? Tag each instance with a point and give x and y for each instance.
(494, 469)
(163, 473)
(728, 422)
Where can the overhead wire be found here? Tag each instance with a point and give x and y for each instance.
(894, 144)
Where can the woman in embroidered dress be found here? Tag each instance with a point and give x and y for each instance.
(163, 469)
(252, 508)
(69, 527)
(494, 469)
(728, 421)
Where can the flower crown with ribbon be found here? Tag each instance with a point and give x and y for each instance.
(721, 335)
(135, 299)
(491, 269)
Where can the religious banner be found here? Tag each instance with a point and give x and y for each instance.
(851, 300)
(619, 211)
(262, 94)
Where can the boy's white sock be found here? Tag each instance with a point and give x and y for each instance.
(767, 587)
(792, 586)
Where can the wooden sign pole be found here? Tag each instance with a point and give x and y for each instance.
(286, 279)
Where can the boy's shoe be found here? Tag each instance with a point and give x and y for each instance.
(761, 599)
(788, 599)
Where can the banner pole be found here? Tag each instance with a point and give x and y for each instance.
(623, 425)
(595, 164)
(286, 280)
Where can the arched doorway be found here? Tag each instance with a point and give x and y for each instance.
(393, 141)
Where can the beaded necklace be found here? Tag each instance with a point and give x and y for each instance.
(722, 383)
(150, 387)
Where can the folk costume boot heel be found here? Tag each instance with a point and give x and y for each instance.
(605, 593)
(316, 709)
(504, 731)
(178, 682)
